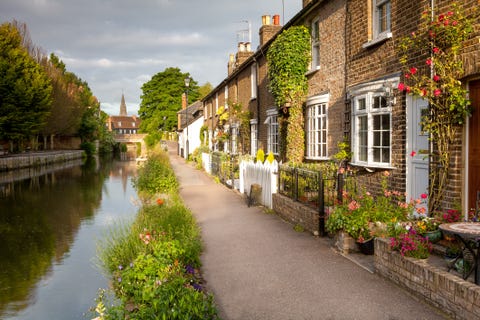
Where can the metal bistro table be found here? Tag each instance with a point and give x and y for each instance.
(469, 234)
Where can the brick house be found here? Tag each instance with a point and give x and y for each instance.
(384, 123)
(352, 93)
(123, 123)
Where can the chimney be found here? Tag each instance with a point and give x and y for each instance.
(184, 101)
(268, 30)
(244, 52)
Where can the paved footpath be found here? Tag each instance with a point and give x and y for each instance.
(258, 267)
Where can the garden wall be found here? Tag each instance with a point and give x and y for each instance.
(296, 213)
(458, 298)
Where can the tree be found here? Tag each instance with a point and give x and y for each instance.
(204, 90)
(25, 90)
(162, 97)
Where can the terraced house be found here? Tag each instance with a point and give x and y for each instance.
(353, 94)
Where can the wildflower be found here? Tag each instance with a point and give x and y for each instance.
(159, 201)
(119, 279)
(120, 267)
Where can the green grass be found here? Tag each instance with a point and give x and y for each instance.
(154, 262)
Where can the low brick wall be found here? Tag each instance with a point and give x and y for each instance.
(296, 213)
(458, 298)
(37, 159)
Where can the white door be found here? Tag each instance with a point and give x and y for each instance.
(417, 149)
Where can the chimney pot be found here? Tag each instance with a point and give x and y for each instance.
(276, 20)
(266, 20)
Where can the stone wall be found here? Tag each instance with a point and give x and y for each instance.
(37, 159)
(296, 213)
(455, 296)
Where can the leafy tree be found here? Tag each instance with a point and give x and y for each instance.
(204, 90)
(162, 97)
(25, 90)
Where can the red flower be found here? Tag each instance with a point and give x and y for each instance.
(454, 23)
(423, 92)
(449, 13)
(429, 62)
(413, 70)
(401, 86)
(408, 89)
(437, 92)
(441, 17)
(445, 23)
(431, 34)
(436, 78)
(407, 75)
(436, 50)
(412, 154)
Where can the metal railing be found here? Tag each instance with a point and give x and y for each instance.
(314, 189)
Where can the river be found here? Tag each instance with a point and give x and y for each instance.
(50, 226)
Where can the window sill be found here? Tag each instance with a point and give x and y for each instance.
(317, 158)
(312, 71)
(372, 167)
(379, 39)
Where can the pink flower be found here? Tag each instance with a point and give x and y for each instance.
(454, 23)
(429, 62)
(436, 50)
(353, 205)
(424, 196)
(401, 86)
(407, 75)
(437, 92)
(449, 13)
(412, 154)
(413, 70)
(436, 78)
(445, 23)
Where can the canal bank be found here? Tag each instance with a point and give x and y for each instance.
(37, 159)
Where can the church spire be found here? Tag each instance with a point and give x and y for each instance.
(123, 107)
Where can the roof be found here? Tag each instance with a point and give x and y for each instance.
(194, 111)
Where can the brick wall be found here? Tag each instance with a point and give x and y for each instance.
(456, 297)
(296, 212)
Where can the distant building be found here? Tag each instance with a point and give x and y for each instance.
(123, 123)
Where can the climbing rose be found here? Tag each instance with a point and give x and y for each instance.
(436, 78)
(437, 92)
(436, 50)
(413, 70)
(401, 86)
(429, 62)
(413, 153)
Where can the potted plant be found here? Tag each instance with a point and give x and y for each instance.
(428, 228)
(411, 244)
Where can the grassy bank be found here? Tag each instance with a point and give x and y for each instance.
(154, 263)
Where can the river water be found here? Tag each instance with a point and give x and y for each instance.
(50, 226)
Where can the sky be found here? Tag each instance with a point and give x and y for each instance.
(118, 45)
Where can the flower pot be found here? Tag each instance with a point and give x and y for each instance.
(367, 247)
(433, 236)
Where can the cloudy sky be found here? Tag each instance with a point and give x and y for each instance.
(117, 45)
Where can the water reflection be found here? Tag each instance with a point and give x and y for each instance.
(48, 227)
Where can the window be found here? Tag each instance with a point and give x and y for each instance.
(253, 137)
(381, 16)
(234, 135)
(253, 81)
(226, 96)
(272, 131)
(315, 64)
(119, 124)
(316, 131)
(372, 130)
(216, 102)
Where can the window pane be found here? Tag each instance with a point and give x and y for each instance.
(383, 11)
(362, 104)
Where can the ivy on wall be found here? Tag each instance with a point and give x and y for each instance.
(288, 58)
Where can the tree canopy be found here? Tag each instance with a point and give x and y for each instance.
(162, 99)
(25, 89)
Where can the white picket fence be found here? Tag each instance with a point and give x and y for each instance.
(207, 162)
(263, 174)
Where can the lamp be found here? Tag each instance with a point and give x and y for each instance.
(187, 84)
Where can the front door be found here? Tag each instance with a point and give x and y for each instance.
(473, 173)
(417, 149)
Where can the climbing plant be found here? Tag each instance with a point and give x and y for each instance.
(437, 81)
(288, 58)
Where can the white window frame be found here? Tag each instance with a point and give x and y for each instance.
(253, 81)
(216, 102)
(234, 132)
(226, 96)
(373, 138)
(317, 127)
(272, 131)
(379, 15)
(315, 44)
(253, 137)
